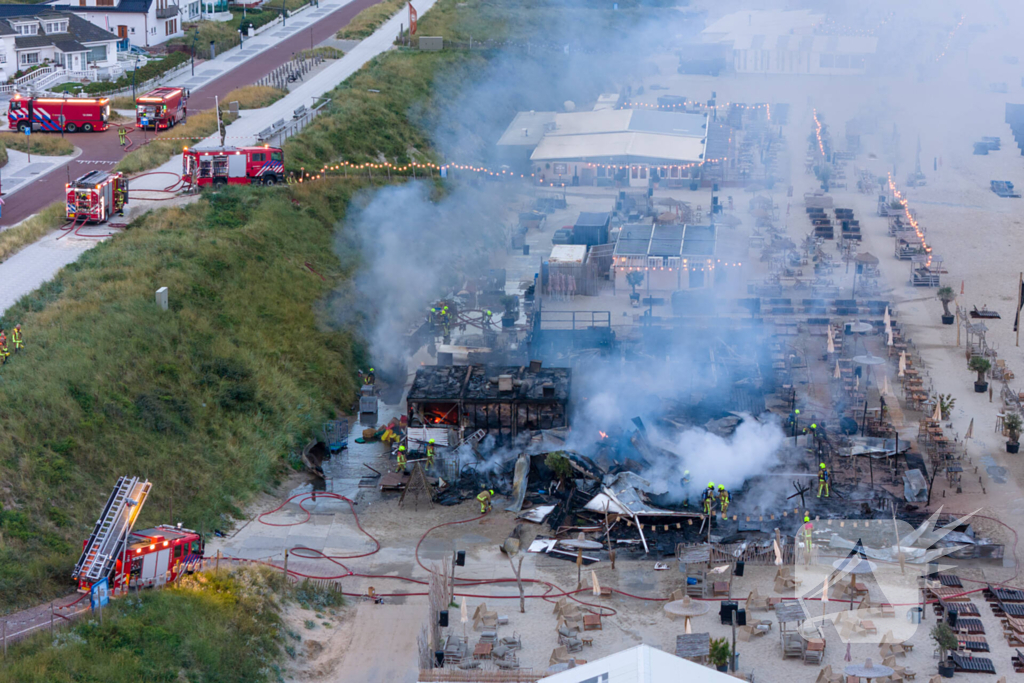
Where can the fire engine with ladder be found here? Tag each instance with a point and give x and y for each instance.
(96, 196)
(232, 166)
(135, 559)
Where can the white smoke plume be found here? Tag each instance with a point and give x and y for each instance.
(751, 451)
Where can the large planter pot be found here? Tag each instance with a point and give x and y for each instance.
(946, 669)
(980, 387)
(1012, 447)
(507, 321)
(724, 668)
(948, 319)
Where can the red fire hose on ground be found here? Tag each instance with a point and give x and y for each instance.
(550, 593)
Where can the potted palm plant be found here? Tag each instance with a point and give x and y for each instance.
(946, 295)
(980, 365)
(1012, 423)
(634, 278)
(946, 641)
(719, 654)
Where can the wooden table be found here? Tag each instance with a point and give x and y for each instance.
(694, 646)
(868, 626)
(592, 622)
(587, 640)
(816, 644)
(483, 650)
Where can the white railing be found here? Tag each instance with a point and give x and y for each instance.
(35, 74)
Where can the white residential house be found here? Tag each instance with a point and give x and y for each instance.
(144, 23)
(35, 37)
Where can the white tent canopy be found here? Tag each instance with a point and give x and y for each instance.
(641, 664)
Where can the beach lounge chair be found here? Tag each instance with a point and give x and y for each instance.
(756, 601)
(482, 619)
(559, 655)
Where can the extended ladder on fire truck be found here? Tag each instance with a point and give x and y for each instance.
(112, 529)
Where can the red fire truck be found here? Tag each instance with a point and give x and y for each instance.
(127, 558)
(96, 196)
(53, 113)
(161, 108)
(233, 166)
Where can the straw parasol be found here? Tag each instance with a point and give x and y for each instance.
(837, 374)
(687, 608)
(937, 415)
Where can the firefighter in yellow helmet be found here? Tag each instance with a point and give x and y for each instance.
(370, 378)
(485, 500)
(400, 465)
(707, 499)
(824, 479)
(5, 352)
(17, 338)
(806, 534)
(723, 500)
(430, 453)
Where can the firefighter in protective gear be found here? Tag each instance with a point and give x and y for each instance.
(120, 199)
(446, 323)
(723, 500)
(708, 498)
(485, 500)
(824, 479)
(121, 135)
(430, 453)
(684, 481)
(5, 353)
(17, 338)
(807, 533)
(400, 466)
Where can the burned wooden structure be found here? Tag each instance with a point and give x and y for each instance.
(502, 401)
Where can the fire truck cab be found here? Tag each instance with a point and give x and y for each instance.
(96, 196)
(52, 114)
(161, 108)
(233, 166)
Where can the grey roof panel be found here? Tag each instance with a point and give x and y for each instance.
(69, 46)
(594, 219)
(667, 122)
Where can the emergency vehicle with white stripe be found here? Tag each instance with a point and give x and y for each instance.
(52, 114)
(233, 166)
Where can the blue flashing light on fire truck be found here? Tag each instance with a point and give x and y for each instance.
(233, 166)
(53, 114)
(161, 108)
(135, 559)
(96, 196)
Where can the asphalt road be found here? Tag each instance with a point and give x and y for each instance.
(101, 151)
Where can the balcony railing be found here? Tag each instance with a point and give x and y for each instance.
(167, 12)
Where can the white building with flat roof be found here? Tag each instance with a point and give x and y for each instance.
(597, 146)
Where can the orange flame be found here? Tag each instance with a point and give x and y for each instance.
(603, 435)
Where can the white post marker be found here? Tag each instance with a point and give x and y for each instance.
(161, 298)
